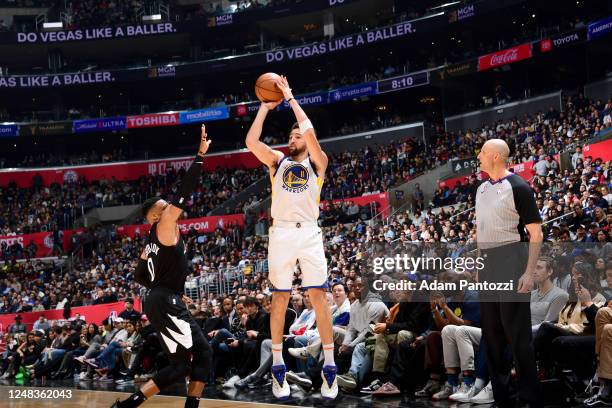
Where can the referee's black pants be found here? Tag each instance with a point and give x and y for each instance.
(506, 321)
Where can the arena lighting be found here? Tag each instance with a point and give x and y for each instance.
(153, 17)
(445, 5)
(54, 25)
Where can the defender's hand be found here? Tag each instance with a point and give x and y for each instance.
(204, 142)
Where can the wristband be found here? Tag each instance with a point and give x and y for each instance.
(305, 125)
(290, 99)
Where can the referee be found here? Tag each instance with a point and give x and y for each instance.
(505, 210)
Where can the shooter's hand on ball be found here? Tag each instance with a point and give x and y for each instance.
(270, 105)
(204, 142)
(283, 85)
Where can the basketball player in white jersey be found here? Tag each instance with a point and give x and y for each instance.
(294, 235)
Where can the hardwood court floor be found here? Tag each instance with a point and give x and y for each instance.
(104, 399)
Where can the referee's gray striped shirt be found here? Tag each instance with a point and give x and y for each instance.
(503, 208)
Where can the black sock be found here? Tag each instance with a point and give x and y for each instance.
(606, 387)
(133, 401)
(192, 402)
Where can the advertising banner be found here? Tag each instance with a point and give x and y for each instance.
(91, 314)
(507, 56)
(49, 81)
(561, 40)
(382, 201)
(99, 33)
(351, 92)
(599, 28)
(400, 30)
(9, 130)
(311, 99)
(46, 129)
(124, 171)
(462, 13)
(601, 150)
(456, 70)
(42, 240)
(99, 125)
(204, 115)
(525, 170)
(202, 225)
(153, 120)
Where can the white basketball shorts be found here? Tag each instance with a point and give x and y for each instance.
(288, 244)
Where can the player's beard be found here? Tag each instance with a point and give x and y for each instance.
(294, 151)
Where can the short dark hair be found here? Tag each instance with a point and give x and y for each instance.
(250, 300)
(146, 206)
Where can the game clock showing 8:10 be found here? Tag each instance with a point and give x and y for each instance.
(403, 82)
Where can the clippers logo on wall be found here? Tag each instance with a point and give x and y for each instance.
(507, 56)
(162, 72)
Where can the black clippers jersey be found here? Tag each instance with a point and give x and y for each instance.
(166, 265)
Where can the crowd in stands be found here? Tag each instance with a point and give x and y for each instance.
(91, 13)
(45, 208)
(350, 174)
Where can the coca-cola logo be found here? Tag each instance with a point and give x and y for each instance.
(510, 55)
(503, 57)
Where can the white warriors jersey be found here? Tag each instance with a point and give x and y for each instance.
(296, 191)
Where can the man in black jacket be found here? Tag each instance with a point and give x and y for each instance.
(130, 313)
(257, 330)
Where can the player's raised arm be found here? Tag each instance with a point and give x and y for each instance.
(262, 151)
(317, 155)
(167, 228)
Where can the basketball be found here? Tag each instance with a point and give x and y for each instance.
(266, 89)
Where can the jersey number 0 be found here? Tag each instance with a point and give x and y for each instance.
(151, 269)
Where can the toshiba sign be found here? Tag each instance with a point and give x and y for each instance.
(155, 119)
(507, 56)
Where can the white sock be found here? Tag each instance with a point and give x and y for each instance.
(479, 384)
(328, 352)
(277, 354)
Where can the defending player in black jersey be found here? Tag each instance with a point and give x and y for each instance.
(162, 268)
